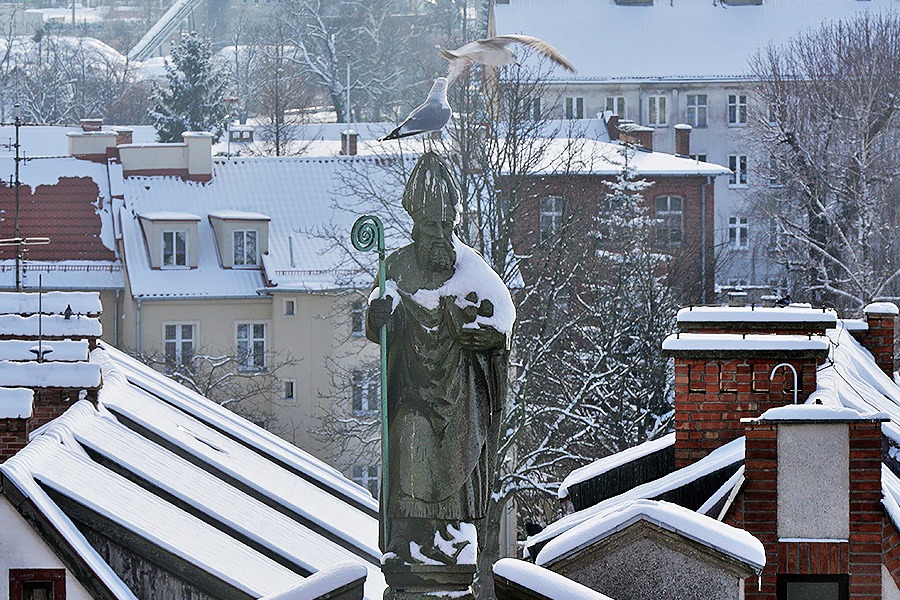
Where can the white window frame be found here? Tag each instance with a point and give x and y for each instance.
(551, 216)
(369, 477)
(697, 112)
(739, 166)
(666, 220)
(658, 110)
(290, 307)
(617, 105)
(244, 263)
(289, 390)
(358, 310)
(531, 108)
(573, 107)
(249, 358)
(365, 392)
(174, 234)
(178, 340)
(737, 110)
(700, 157)
(738, 233)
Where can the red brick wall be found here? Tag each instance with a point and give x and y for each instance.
(49, 403)
(582, 194)
(713, 395)
(756, 510)
(13, 436)
(879, 340)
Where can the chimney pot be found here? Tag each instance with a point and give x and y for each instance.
(683, 139)
(349, 142)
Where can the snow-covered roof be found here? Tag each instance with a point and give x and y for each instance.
(733, 542)
(597, 157)
(608, 463)
(793, 313)
(543, 582)
(297, 194)
(594, 35)
(731, 454)
(217, 492)
(751, 342)
(16, 403)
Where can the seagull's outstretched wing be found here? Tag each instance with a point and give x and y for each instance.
(494, 51)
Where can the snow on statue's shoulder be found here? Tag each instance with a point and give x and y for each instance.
(472, 275)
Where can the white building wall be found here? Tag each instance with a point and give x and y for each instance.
(22, 548)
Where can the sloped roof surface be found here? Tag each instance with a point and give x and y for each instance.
(670, 40)
(298, 194)
(197, 482)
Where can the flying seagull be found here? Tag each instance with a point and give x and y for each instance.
(431, 115)
(495, 52)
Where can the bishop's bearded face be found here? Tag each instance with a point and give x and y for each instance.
(434, 245)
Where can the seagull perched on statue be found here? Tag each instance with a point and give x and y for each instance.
(495, 52)
(431, 115)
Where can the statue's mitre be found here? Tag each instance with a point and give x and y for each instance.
(432, 191)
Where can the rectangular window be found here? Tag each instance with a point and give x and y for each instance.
(358, 318)
(367, 477)
(656, 111)
(696, 110)
(776, 172)
(616, 104)
(289, 393)
(737, 109)
(738, 165)
(813, 587)
(699, 157)
(669, 220)
(551, 216)
(179, 343)
(366, 392)
(290, 307)
(574, 107)
(738, 233)
(245, 254)
(531, 108)
(174, 249)
(37, 584)
(251, 346)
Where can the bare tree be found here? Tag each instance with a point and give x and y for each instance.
(827, 118)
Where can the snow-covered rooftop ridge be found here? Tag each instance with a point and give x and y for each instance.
(49, 374)
(733, 542)
(819, 412)
(16, 403)
(669, 32)
(239, 215)
(544, 582)
(322, 582)
(168, 215)
(606, 464)
(881, 308)
(55, 351)
(26, 303)
(744, 342)
(720, 458)
(50, 326)
(793, 313)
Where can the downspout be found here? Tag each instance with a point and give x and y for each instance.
(116, 320)
(703, 299)
(137, 325)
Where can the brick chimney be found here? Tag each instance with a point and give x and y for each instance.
(45, 340)
(124, 135)
(734, 362)
(636, 134)
(349, 142)
(683, 139)
(800, 456)
(878, 336)
(612, 126)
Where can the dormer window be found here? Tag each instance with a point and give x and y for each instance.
(242, 238)
(174, 249)
(244, 248)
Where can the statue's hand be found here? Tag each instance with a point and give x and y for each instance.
(481, 338)
(380, 311)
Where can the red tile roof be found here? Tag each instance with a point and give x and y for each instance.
(67, 213)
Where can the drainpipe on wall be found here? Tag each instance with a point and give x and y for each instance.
(703, 299)
(116, 320)
(137, 325)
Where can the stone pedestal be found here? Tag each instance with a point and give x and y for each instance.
(421, 582)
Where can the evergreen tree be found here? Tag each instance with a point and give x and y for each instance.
(194, 97)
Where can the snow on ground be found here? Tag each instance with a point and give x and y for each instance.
(544, 581)
(736, 543)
